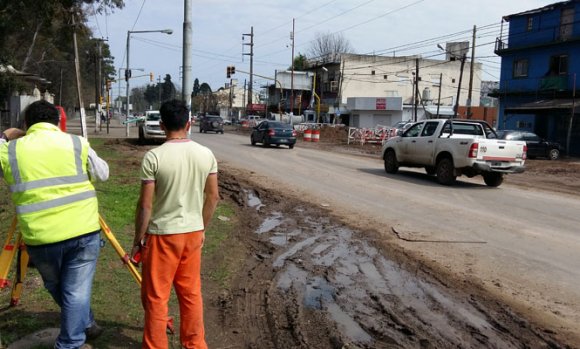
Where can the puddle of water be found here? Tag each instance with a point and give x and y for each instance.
(270, 223)
(279, 262)
(253, 199)
(317, 292)
(292, 275)
(281, 239)
(363, 288)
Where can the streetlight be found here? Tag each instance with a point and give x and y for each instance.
(128, 71)
(462, 58)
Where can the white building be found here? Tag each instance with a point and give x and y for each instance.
(389, 82)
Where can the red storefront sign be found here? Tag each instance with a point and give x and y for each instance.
(256, 107)
(381, 104)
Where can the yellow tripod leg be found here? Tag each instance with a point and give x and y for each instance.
(21, 269)
(7, 255)
(124, 256)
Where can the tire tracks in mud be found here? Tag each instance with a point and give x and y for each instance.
(310, 281)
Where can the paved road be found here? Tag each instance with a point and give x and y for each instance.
(524, 245)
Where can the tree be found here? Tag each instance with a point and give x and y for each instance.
(37, 38)
(300, 62)
(151, 95)
(205, 89)
(329, 44)
(167, 89)
(195, 87)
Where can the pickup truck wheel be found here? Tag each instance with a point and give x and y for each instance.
(431, 170)
(252, 140)
(554, 154)
(446, 171)
(493, 179)
(391, 163)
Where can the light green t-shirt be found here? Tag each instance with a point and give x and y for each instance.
(180, 170)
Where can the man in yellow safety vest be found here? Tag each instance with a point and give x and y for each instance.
(49, 175)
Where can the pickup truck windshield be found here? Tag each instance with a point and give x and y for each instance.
(153, 117)
(464, 129)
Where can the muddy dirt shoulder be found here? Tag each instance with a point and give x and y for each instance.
(303, 262)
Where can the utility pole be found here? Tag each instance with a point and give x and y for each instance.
(471, 73)
(78, 74)
(187, 34)
(245, 93)
(292, 74)
(251, 54)
(439, 98)
(416, 89)
(463, 57)
(98, 85)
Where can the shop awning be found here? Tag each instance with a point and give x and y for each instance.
(544, 105)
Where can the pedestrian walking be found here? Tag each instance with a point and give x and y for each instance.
(49, 174)
(179, 194)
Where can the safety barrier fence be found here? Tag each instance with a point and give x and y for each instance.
(377, 135)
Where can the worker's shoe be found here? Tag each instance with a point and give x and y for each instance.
(93, 332)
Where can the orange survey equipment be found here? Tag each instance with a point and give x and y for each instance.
(126, 259)
(124, 256)
(7, 254)
(21, 269)
(62, 121)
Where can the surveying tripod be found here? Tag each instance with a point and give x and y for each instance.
(14, 246)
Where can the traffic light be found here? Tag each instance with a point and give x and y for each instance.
(151, 76)
(127, 74)
(108, 84)
(230, 71)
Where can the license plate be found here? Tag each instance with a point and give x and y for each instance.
(283, 140)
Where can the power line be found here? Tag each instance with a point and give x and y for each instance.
(138, 15)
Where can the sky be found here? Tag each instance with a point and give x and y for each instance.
(386, 27)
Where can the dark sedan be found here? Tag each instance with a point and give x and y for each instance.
(537, 147)
(273, 132)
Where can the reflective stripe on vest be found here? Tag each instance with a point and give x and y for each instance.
(19, 187)
(55, 202)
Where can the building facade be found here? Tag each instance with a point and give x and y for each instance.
(350, 76)
(540, 58)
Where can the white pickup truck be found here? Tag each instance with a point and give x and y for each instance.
(450, 148)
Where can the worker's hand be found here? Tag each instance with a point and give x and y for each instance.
(136, 255)
(13, 133)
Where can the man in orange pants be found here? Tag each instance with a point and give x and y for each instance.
(179, 195)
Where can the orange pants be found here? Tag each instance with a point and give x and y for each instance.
(172, 259)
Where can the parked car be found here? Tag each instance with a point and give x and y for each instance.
(212, 123)
(149, 128)
(537, 147)
(273, 132)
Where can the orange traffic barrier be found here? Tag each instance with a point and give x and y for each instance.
(315, 135)
(307, 135)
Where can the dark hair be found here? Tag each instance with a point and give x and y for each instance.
(174, 115)
(41, 111)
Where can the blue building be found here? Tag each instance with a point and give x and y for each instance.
(540, 59)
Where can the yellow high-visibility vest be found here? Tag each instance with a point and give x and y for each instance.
(47, 175)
